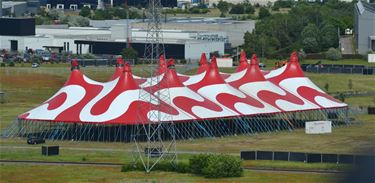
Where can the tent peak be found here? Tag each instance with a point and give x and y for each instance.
(243, 58)
(213, 64)
(294, 57)
(120, 62)
(74, 64)
(127, 67)
(203, 60)
(254, 60)
(170, 64)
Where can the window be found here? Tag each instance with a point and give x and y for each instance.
(73, 7)
(59, 6)
(48, 6)
(87, 5)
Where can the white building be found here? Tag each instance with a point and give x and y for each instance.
(81, 40)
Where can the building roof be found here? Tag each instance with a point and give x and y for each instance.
(9, 4)
(363, 5)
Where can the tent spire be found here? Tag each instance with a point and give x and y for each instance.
(74, 65)
(203, 64)
(243, 62)
(120, 62)
(170, 64)
(294, 57)
(254, 60)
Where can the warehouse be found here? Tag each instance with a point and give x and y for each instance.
(82, 40)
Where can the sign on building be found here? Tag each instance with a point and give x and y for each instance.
(318, 127)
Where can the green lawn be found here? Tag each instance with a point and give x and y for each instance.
(20, 173)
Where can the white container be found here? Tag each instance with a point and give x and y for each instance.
(371, 58)
(318, 127)
(224, 62)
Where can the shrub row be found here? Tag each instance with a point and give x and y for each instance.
(10, 64)
(216, 166)
(207, 165)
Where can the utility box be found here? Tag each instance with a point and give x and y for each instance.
(224, 62)
(371, 58)
(50, 150)
(318, 127)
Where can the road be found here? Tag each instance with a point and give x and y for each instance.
(346, 45)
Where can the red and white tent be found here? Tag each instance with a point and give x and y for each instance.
(204, 96)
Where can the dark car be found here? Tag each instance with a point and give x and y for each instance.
(35, 140)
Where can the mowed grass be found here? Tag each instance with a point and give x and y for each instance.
(21, 173)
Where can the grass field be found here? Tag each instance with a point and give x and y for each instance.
(26, 88)
(19, 173)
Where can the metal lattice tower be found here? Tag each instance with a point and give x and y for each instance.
(149, 139)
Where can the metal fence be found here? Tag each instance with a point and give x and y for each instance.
(343, 69)
(306, 157)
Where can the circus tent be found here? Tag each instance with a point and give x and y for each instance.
(216, 103)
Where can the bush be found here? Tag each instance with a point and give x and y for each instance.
(223, 166)
(198, 163)
(333, 54)
(2, 64)
(11, 64)
(216, 166)
(207, 165)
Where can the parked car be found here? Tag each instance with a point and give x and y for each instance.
(262, 65)
(35, 65)
(35, 140)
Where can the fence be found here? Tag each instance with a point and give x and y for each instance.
(101, 62)
(306, 157)
(333, 68)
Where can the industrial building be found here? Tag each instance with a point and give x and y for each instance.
(93, 4)
(234, 30)
(19, 8)
(82, 40)
(364, 26)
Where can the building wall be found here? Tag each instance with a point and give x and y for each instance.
(38, 43)
(235, 31)
(23, 42)
(365, 26)
(193, 50)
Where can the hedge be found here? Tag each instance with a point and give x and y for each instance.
(207, 165)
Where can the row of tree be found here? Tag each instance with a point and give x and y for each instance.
(110, 13)
(312, 27)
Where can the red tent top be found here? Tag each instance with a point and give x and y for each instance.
(119, 68)
(243, 62)
(203, 64)
(292, 69)
(212, 76)
(162, 68)
(253, 73)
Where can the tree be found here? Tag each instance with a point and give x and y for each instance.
(129, 53)
(223, 6)
(85, 12)
(263, 13)
(249, 8)
(237, 9)
(329, 36)
(310, 38)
